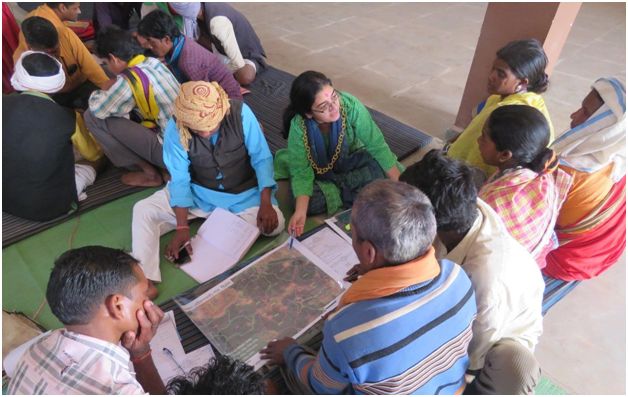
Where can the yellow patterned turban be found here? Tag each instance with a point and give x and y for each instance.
(200, 106)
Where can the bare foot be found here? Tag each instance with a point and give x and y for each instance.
(142, 179)
(152, 290)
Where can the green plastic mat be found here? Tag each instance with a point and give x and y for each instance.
(547, 387)
(27, 264)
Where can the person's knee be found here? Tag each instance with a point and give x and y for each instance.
(93, 123)
(144, 211)
(510, 368)
(89, 118)
(281, 223)
(245, 75)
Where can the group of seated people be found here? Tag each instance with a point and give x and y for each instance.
(453, 250)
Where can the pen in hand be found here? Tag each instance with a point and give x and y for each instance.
(292, 233)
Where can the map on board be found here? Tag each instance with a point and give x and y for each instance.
(341, 224)
(281, 294)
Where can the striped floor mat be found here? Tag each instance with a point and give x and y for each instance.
(269, 97)
(106, 188)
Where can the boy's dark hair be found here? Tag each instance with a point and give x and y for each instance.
(56, 5)
(40, 65)
(450, 186)
(524, 131)
(222, 375)
(118, 42)
(40, 33)
(527, 60)
(83, 278)
(158, 24)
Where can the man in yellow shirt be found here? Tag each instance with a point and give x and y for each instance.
(83, 74)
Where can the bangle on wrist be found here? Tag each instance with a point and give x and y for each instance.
(136, 360)
(183, 227)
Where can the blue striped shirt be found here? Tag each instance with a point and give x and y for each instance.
(411, 342)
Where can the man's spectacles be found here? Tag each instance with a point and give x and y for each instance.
(328, 106)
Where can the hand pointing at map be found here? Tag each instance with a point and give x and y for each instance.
(273, 352)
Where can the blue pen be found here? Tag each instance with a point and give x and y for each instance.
(291, 239)
(169, 353)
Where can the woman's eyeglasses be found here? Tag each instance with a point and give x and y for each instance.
(328, 106)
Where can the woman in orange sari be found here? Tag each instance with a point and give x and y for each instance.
(591, 227)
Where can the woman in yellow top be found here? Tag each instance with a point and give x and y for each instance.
(517, 78)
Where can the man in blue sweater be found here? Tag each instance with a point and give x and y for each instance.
(404, 325)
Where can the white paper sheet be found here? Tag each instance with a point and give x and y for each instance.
(222, 240)
(207, 262)
(178, 363)
(335, 252)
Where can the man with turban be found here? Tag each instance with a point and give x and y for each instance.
(41, 180)
(82, 73)
(217, 156)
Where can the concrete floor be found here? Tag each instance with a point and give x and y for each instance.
(410, 60)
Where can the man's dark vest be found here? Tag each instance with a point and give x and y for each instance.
(228, 157)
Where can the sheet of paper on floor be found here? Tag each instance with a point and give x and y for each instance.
(178, 363)
(334, 251)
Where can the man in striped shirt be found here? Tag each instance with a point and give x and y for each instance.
(404, 325)
(145, 91)
(100, 295)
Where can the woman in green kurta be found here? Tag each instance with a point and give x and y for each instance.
(334, 149)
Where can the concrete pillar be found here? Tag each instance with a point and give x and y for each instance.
(549, 23)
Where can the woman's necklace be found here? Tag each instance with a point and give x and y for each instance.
(308, 151)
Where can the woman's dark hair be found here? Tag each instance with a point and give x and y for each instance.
(40, 33)
(524, 131)
(40, 65)
(527, 60)
(451, 187)
(120, 43)
(158, 24)
(302, 94)
(222, 375)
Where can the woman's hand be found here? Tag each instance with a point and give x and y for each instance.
(393, 173)
(297, 223)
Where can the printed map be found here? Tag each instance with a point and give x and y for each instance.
(278, 295)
